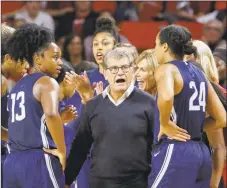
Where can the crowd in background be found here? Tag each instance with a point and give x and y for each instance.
(74, 21)
(74, 25)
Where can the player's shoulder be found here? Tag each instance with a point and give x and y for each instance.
(47, 81)
(166, 68)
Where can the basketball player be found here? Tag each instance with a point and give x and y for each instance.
(183, 97)
(32, 104)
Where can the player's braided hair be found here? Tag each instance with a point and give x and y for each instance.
(178, 39)
(107, 24)
(6, 33)
(28, 40)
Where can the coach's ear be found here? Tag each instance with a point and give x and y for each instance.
(37, 60)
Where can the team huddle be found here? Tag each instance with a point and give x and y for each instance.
(138, 120)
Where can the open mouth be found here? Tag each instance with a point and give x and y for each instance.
(99, 56)
(120, 80)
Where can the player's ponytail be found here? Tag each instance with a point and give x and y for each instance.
(189, 49)
(107, 24)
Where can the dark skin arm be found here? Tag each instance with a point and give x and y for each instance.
(216, 141)
(4, 134)
(46, 91)
(167, 87)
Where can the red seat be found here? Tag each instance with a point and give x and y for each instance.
(221, 5)
(104, 5)
(148, 10)
(11, 6)
(141, 34)
(195, 28)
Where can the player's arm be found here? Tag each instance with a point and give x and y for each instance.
(48, 90)
(164, 77)
(79, 148)
(216, 111)
(216, 141)
(4, 134)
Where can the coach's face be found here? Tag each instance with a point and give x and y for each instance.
(119, 74)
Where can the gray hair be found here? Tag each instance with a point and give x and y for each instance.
(130, 48)
(118, 54)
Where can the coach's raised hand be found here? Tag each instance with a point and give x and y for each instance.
(173, 131)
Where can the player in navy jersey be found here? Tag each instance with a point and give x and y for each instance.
(180, 158)
(34, 120)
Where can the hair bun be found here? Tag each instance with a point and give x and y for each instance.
(189, 49)
(105, 23)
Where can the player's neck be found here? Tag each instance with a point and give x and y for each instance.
(35, 70)
(101, 68)
(169, 58)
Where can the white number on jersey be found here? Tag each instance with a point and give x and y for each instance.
(19, 97)
(202, 97)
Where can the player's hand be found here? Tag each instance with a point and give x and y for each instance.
(174, 132)
(99, 87)
(61, 157)
(81, 83)
(69, 113)
(67, 186)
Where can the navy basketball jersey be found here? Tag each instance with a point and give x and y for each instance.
(189, 107)
(26, 125)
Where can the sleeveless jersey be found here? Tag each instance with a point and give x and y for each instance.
(189, 106)
(26, 127)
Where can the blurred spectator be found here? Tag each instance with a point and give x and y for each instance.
(183, 13)
(32, 13)
(126, 10)
(81, 21)
(58, 8)
(212, 34)
(73, 54)
(221, 16)
(220, 59)
(88, 40)
(60, 42)
(85, 18)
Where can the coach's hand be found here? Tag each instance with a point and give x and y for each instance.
(61, 157)
(174, 132)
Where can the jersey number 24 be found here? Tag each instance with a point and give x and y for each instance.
(201, 94)
(18, 99)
